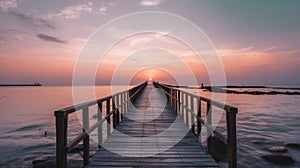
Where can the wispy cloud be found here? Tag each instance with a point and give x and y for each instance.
(4, 33)
(72, 12)
(8, 4)
(11, 35)
(29, 25)
(50, 38)
(76, 11)
(149, 37)
(105, 6)
(30, 21)
(150, 2)
(252, 51)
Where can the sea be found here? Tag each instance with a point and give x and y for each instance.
(27, 124)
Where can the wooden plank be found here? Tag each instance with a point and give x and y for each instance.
(187, 152)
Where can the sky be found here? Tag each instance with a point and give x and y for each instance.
(256, 41)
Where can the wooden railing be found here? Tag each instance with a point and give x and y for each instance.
(184, 103)
(116, 106)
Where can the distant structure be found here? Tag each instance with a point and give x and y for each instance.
(34, 84)
(37, 84)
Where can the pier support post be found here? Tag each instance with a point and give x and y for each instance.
(86, 140)
(178, 103)
(108, 119)
(182, 105)
(99, 119)
(231, 135)
(187, 110)
(122, 106)
(114, 114)
(61, 139)
(209, 122)
(198, 121)
(192, 115)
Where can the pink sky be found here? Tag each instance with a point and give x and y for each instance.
(40, 42)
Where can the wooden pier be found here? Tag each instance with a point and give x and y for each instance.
(159, 129)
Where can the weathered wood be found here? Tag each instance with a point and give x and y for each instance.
(108, 119)
(198, 121)
(231, 134)
(231, 112)
(187, 111)
(188, 152)
(62, 125)
(61, 139)
(209, 122)
(192, 115)
(86, 139)
(99, 118)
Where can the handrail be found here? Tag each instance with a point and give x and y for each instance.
(180, 100)
(116, 106)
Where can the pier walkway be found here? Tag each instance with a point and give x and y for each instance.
(151, 119)
(149, 125)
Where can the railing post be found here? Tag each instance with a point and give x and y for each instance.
(171, 96)
(114, 111)
(127, 102)
(209, 122)
(86, 140)
(61, 139)
(108, 118)
(118, 108)
(123, 105)
(192, 114)
(182, 105)
(178, 102)
(118, 116)
(198, 121)
(174, 99)
(187, 110)
(231, 138)
(99, 119)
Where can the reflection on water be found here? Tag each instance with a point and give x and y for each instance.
(27, 112)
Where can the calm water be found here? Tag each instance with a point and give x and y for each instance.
(27, 112)
(264, 121)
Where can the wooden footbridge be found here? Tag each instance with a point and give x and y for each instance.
(147, 126)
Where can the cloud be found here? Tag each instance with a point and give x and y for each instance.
(50, 38)
(28, 20)
(8, 4)
(105, 6)
(10, 35)
(143, 39)
(74, 12)
(150, 2)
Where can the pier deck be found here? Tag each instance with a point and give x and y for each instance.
(152, 135)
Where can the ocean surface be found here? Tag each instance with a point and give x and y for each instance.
(28, 112)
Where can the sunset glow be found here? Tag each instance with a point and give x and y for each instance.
(45, 47)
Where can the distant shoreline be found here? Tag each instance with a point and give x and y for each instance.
(12, 85)
(226, 89)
